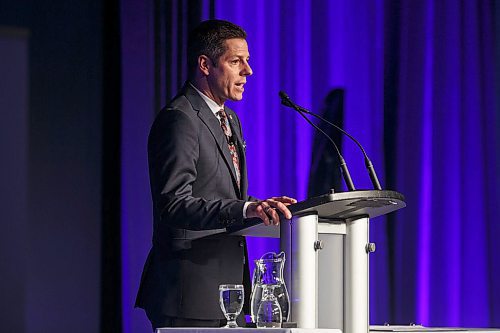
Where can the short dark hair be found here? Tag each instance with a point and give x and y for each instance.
(208, 39)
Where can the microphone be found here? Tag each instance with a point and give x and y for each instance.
(286, 101)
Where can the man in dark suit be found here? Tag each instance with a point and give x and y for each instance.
(199, 186)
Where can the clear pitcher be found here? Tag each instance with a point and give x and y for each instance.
(269, 271)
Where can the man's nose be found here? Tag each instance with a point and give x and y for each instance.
(247, 70)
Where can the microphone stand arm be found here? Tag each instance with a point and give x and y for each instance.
(343, 165)
(368, 163)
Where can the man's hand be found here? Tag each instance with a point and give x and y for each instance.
(266, 210)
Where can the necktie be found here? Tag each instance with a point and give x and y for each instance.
(224, 124)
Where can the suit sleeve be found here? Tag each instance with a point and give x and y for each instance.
(173, 151)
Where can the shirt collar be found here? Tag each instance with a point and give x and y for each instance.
(211, 103)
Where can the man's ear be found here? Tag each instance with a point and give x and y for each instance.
(204, 64)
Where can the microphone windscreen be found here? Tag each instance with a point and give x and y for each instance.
(285, 100)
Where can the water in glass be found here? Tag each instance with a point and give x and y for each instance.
(231, 298)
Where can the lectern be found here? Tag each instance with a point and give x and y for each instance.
(327, 247)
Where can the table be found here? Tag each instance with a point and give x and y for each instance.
(244, 330)
(373, 329)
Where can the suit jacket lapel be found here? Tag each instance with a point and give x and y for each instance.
(235, 127)
(213, 125)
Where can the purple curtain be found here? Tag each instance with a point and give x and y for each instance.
(447, 265)
(419, 78)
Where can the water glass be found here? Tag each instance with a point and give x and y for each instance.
(231, 298)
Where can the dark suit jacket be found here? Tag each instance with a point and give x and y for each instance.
(195, 197)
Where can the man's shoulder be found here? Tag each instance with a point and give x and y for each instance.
(179, 113)
(180, 103)
(177, 118)
(187, 100)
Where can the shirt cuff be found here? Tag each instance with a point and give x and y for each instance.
(245, 206)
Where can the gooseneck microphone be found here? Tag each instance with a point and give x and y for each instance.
(286, 101)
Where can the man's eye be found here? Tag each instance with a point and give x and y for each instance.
(235, 62)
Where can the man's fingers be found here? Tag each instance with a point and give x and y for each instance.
(267, 210)
(273, 215)
(279, 206)
(285, 199)
(260, 212)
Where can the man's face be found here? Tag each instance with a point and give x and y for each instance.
(227, 78)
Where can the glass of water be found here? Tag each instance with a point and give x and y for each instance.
(231, 298)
